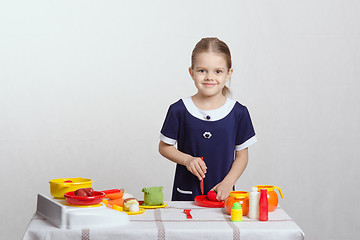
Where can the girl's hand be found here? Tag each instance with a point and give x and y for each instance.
(197, 167)
(223, 189)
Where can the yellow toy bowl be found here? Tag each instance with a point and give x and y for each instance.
(60, 186)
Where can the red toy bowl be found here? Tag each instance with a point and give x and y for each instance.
(77, 200)
(203, 201)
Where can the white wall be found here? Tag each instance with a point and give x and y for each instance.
(85, 86)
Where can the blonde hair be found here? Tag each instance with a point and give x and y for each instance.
(213, 44)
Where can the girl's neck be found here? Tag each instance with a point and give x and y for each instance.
(208, 103)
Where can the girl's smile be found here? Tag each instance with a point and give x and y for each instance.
(209, 84)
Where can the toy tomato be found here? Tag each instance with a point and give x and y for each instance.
(211, 195)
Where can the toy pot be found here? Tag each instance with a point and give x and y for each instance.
(60, 186)
(272, 195)
(240, 197)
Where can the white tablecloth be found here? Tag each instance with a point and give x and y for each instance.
(171, 223)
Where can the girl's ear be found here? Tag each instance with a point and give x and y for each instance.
(191, 72)
(230, 73)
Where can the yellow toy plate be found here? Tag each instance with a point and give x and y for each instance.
(141, 211)
(84, 206)
(152, 207)
(121, 209)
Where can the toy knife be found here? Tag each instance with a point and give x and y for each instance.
(202, 183)
(187, 212)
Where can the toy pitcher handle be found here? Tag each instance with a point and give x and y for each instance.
(282, 196)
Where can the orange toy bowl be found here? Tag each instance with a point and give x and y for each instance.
(240, 197)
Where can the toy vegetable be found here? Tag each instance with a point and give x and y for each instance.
(153, 196)
(211, 195)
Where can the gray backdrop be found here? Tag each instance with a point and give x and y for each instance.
(85, 86)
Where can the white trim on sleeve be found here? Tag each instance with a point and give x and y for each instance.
(167, 140)
(246, 144)
(183, 191)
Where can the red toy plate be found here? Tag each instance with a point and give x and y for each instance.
(76, 200)
(203, 201)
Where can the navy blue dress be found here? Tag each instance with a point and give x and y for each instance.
(214, 135)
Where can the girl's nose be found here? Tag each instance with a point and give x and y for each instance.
(209, 76)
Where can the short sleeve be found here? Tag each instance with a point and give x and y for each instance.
(245, 135)
(170, 128)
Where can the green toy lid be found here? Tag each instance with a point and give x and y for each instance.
(236, 205)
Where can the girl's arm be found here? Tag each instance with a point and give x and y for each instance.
(194, 164)
(226, 185)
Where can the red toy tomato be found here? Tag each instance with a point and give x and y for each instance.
(89, 191)
(211, 195)
(80, 193)
(84, 192)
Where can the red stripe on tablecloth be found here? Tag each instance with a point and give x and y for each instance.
(236, 230)
(159, 224)
(207, 220)
(85, 234)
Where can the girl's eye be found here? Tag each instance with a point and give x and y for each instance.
(218, 71)
(201, 71)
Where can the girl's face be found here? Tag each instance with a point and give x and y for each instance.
(210, 73)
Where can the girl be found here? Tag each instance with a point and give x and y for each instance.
(207, 125)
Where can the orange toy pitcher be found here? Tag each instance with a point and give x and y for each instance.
(238, 196)
(272, 195)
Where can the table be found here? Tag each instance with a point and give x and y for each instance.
(171, 223)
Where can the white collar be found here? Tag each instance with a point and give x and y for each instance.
(209, 115)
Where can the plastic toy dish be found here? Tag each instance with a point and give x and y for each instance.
(152, 207)
(141, 211)
(85, 206)
(120, 209)
(203, 201)
(60, 186)
(77, 200)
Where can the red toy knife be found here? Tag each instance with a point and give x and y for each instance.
(202, 183)
(187, 212)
